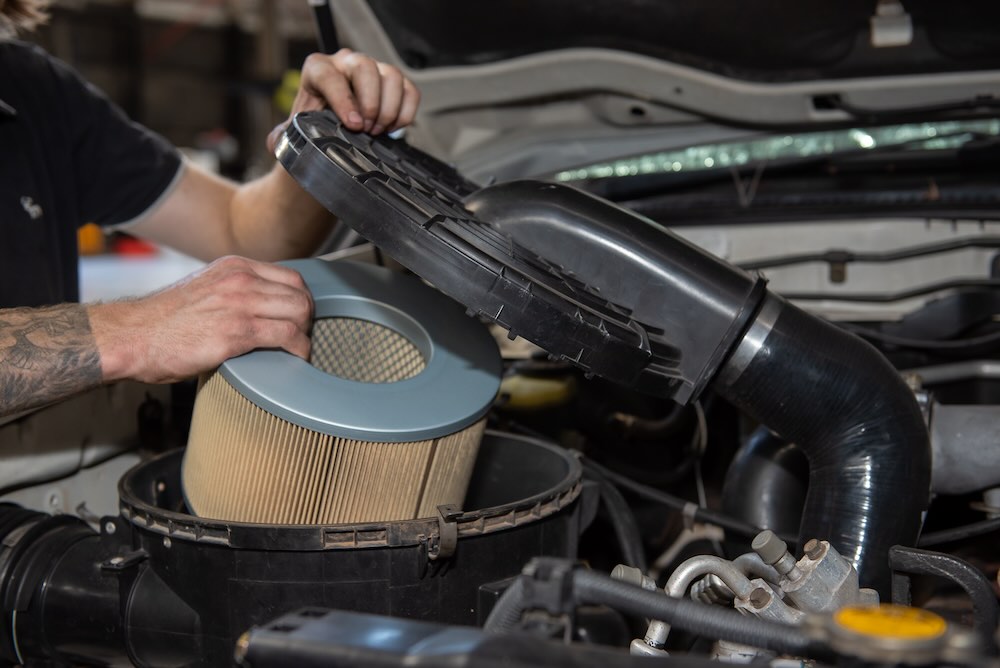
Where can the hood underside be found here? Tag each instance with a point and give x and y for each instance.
(513, 88)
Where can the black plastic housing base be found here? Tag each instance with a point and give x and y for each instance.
(161, 587)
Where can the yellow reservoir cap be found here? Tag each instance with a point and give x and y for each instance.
(889, 621)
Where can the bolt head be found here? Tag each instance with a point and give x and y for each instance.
(814, 549)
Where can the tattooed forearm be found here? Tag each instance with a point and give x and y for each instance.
(46, 354)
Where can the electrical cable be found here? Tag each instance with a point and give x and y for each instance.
(840, 256)
(890, 297)
(623, 522)
(975, 103)
(589, 588)
(700, 513)
(700, 444)
(990, 339)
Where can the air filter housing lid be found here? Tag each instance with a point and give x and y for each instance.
(588, 281)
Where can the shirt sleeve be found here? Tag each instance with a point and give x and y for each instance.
(123, 169)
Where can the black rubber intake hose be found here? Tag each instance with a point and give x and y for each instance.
(589, 588)
(766, 484)
(813, 384)
(681, 297)
(859, 425)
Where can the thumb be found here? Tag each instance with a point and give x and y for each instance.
(275, 135)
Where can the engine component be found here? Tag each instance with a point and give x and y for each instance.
(766, 481)
(687, 318)
(660, 279)
(821, 581)
(315, 638)
(677, 585)
(906, 561)
(161, 587)
(382, 423)
(413, 206)
(898, 635)
(956, 431)
(857, 422)
(765, 484)
(558, 587)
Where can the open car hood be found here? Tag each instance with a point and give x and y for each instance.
(517, 88)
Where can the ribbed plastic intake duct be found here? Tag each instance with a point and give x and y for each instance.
(383, 422)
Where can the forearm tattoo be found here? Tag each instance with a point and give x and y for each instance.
(46, 354)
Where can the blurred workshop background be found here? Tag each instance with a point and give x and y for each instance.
(212, 76)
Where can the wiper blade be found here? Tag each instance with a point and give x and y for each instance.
(749, 174)
(978, 103)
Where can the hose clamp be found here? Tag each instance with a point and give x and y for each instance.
(753, 341)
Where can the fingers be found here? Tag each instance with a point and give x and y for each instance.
(408, 106)
(229, 308)
(272, 272)
(269, 333)
(327, 80)
(264, 291)
(367, 95)
(362, 73)
(271, 302)
(391, 99)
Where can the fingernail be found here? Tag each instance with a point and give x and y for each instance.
(354, 118)
(377, 130)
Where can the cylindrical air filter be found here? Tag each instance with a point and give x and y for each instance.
(382, 423)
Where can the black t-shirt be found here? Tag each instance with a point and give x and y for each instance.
(68, 156)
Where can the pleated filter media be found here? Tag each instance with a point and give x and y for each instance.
(382, 423)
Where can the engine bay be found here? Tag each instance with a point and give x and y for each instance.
(697, 451)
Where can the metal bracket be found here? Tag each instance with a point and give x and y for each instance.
(123, 561)
(447, 538)
(905, 561)
(548, 584)
(891, 25)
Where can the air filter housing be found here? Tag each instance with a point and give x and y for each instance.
(383, 422)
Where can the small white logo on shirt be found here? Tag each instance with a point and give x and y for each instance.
(34, 210)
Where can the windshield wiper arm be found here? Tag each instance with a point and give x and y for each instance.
(972, 104)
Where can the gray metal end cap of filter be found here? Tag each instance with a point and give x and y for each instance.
(455, 388)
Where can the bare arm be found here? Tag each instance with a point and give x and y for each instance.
(232, 306)
(208, 217)
(272, 218)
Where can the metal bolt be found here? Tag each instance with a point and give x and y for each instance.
(814, 549)
(166, 542)
(110, 527)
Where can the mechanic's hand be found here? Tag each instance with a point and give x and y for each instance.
(367, 95)
(230, 307)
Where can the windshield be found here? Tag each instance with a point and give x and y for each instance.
(917, 136)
